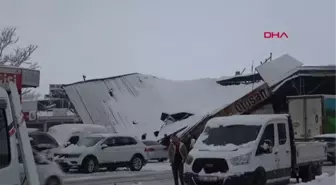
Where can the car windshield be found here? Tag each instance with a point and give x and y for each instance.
(233, 134)
(89, 141)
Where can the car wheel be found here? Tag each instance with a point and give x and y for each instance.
(137, 163)
(53, 181)
(90, 165)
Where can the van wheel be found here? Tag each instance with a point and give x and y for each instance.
(137, 163)
(259, 177)
(53, 181)
(90, 165)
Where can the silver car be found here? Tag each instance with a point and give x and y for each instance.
(330, 139)
(156, 151)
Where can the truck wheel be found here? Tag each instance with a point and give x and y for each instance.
(90, 165)
(308, 174)
(318, 170)
(259, 177)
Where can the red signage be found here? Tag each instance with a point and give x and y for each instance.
(26, 116)
(12, 77)
(277, 35)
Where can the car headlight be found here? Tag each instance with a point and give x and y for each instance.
(240, 160)
(189, 160)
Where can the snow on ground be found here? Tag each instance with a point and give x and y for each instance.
(164, 177)
(324, 179)
(132, 104)
(124, 172)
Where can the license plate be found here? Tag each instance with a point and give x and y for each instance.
(208, 178)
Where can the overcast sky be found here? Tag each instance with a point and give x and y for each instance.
(177, 40)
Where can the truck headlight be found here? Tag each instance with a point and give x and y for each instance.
(189, 159)
(240, 160)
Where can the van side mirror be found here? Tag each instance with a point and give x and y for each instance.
(103, 146)
(266, 147)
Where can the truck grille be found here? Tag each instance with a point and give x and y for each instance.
(210, 165)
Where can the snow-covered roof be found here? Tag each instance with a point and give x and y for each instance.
(252, 119)
(133, 104)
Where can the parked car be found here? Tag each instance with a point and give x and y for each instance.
(48, 171)
(156, 151)
(103, 150)
(330, 139)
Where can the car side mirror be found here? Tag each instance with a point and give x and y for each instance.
(266, 147)
(103, 146)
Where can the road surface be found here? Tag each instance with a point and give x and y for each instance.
(146, 177)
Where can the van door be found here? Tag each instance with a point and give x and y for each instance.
(267, 159)
(8, 164)
(284, 151)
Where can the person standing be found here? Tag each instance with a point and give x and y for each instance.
(177, 153)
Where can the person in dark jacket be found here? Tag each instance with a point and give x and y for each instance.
(177, 153)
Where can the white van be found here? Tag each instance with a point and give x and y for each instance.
(252, 148)
(67, 134)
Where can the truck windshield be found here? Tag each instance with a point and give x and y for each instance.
(233, 134)
(89, 141)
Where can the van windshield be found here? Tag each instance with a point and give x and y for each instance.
(89, 141)
(233, 134)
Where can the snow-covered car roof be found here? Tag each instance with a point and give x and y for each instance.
(257, 119)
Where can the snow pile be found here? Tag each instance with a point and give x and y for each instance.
(133, 103)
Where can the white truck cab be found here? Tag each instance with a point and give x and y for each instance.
(251, 149)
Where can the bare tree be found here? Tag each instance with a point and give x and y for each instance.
(20, 56)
